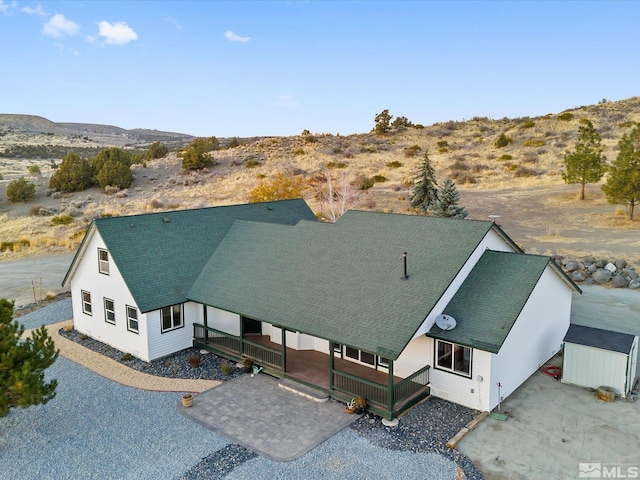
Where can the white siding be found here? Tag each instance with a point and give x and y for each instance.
(224, 321)
(321, 345)
(536, 336)
(491, 241)
(112, 286)
(162, 344)
(469, 392)
(592, 367)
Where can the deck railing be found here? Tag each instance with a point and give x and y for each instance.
(378, 394)
(356, 386)
(227, 343)
(411, 385)
(217, 340)
(262, 354)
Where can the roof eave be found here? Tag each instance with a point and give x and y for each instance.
(77, 258)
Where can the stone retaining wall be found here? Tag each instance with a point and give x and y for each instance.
(592, 271)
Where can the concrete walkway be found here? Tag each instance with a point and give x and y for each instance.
(254, 411)
(117, 372)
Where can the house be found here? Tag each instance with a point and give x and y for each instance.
(349, 308)
(594, 357)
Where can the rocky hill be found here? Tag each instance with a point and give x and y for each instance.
(520, 181)
(22, 130)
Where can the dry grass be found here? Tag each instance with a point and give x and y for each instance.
(462, 150)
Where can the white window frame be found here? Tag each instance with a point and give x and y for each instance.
(455, 347)
(359, 357)
(132, 316)
(109, 311)
(171, 310)
(103, 264)
(86, 302)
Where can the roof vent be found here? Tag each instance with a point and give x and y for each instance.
(131, 225)
(269, 207)
(404, 261)
(166, 220)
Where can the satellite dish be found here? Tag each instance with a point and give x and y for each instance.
(445, 322)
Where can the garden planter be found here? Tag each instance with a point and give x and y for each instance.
(187, 400)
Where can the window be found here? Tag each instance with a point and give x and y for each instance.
(171, 317)
(109, 311)
(453, 357)
(359, 355)
(132, 319)
(86, 302)
(383, 362)
(337, 349)
(103, 261)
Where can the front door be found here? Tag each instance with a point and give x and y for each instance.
(251, 326)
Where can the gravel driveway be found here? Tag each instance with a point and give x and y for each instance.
(96, 428)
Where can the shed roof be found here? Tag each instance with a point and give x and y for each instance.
(342, 281)
(491, 298)
(161, 254)
(600, 338)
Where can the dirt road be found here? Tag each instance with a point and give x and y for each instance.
(45, 271)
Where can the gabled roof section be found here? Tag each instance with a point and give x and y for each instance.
(341, 281)
(491, 298)
(161, 254)
(600, 338)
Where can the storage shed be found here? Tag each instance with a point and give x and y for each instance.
(594, 357)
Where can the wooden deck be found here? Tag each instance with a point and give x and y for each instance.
(312, 366)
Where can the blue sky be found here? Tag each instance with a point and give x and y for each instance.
(277, 68)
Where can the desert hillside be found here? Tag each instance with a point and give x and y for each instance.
(521, 182)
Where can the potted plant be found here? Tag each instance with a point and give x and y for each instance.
(360, 404)
(187, 400)
(194, 360)
(350, 408)
(248, 365)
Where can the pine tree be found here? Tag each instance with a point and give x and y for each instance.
(425, 190)
(447, 203)
(585, 164)
(623, 181)
(22, 363)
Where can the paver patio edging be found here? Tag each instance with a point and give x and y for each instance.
(113, 370)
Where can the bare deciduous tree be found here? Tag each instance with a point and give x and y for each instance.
(337, 195)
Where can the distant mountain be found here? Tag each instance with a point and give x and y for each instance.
(13, 126)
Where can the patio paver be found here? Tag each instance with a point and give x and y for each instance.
(258, 414)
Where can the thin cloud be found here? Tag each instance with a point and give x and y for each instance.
(118, 33)
(58, 26)
(232, 37)
(35, 11)
(4, 7)
(174, 22)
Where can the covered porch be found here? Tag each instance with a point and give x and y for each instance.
(387, 395)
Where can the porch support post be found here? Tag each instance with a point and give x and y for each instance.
(284, 350)
(331, 365)
(390, 399)
(241, 335)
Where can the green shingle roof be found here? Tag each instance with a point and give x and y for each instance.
(491, 298)
(341, 281)
(161, 254)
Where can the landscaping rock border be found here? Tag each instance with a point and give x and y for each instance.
(592, 271)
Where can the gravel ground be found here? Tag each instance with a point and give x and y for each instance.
(172, 366)
(96, 428)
